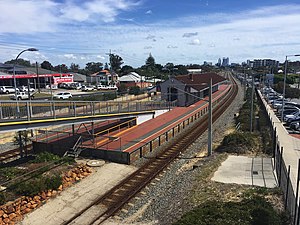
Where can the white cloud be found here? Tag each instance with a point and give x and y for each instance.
(100, 57)
(105, 10)
(195, 42)
(148, 12)
(33, 16)
(172, 46)
(27, 16)
(190, 34)
(70, 56)
(269, 32)
(150, 37)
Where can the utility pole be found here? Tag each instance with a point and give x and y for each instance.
(38, 78)
(109, 54)
(209, 147)
(110, 69)
(244, 84)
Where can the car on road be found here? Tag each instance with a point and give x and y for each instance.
(63, 95)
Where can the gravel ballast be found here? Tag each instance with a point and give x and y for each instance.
(167, 198)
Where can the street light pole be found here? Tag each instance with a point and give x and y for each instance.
(284, 82)
(209, 151)
(252, 100)
(14, 75)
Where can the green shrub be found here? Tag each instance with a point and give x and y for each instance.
(238, 142)
(45, 157)
(238, 139)
(10, 172)
(255, 210)
(37, 185)
(134, 90)
(2, 198)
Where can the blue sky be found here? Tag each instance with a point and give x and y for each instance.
(182, 32)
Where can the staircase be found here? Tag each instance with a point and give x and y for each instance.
(75, 150)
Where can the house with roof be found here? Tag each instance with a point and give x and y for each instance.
(133, 79)
(103, 77)
(188, 89)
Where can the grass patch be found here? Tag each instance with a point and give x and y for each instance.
(45, 157)
(8, 173)
(37, 185)
(255, 210)
(238, 142)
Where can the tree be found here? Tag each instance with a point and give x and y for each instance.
(21, 62)
(169, 66)
(150, 61)
(93, 67)
(181, 70)
(136, 90)
(74, 67)
(126, 69)
(61, 68)
(21, 138)
(46, 65)
(115, 62)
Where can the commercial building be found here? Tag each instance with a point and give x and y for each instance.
(25, 76)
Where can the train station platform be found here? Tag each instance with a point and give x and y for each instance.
(130, 144)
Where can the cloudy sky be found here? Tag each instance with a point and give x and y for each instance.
(182, 32)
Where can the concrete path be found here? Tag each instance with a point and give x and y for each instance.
(246, 170)
(70, 201)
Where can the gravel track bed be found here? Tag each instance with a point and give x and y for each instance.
(167, 198)
(7, 146)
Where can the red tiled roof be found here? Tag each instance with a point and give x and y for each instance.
(200, 81)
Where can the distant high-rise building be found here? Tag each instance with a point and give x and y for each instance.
(257, 63)
(219, 62)
(225, 61)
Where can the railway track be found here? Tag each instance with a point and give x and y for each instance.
(13, 153)
(112, 201)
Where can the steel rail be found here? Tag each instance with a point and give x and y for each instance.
(113, 200)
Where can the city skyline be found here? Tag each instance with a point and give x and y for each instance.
(183, 33)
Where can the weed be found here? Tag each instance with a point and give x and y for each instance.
(37, 185)
(45, 157)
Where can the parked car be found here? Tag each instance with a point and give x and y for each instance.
(102, 87)
(288, 109)
(63, 95)
(292, 121)
(25, 89)
(295, 125)
(277, 104)
(76, 86)
(87, 88)
(112, 87)
(7, 89)
(291, 116)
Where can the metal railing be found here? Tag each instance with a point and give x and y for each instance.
(34, 110)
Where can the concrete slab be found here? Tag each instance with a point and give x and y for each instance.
(255, 171)
(77, 197)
